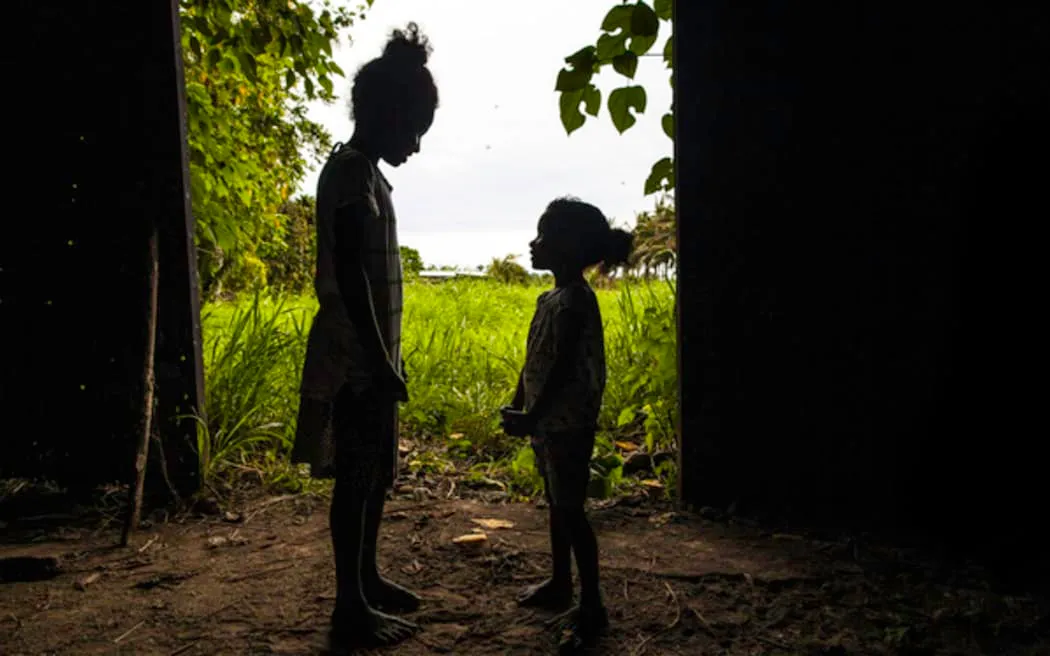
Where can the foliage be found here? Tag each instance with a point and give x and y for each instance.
(629, 31)
(645, 336)
(464, 344)
(289, 253)
(250, 68)
(507, 270)
(251, 355)
(655, 241)
(411, 261)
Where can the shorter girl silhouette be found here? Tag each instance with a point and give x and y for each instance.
(558, 399)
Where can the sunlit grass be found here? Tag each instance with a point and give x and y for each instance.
(464, 344)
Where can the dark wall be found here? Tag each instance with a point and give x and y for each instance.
(98, 155)
(860, 190)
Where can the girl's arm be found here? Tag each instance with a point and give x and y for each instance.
(356, 292)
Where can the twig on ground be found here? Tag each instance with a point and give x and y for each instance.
(773, 643)
(268, 504)
(703, 620)
(677, 606)
(185, 648)
(149, 543)
(673, 596)
(119, 638)
(413, 508)
(640, 649)
(263, 572)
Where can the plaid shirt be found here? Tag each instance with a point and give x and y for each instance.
(576, 407)
(334, 353)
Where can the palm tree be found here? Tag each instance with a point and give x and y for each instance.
(507, 270)
(655, 241)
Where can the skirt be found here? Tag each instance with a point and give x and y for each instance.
(353, 437)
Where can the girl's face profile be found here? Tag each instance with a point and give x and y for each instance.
(404, 136)
(545, 249)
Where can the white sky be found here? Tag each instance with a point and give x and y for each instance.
(497, 152)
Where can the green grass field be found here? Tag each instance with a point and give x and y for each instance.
(464, 343)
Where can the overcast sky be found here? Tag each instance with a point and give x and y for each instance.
(497, 152)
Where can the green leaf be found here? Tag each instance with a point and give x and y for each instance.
(289, 79)
(229, 64)
(641, 44)
(610, 46)
(571, 116)
(195, 46)
(573, 80)
(621, 102)
(584, 58)
(668, 124)
(308, 84)
(260, 39)
(626, 417)
(661, 177)
(202, 26)
(644, 21)
(334, 68)
(664, 9)
(619, 17)
(626, 64)
(248, 67)
(592, 99)
(669, 51)
(326, 83)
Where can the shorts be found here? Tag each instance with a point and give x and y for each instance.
(564, 461)
(353, 438)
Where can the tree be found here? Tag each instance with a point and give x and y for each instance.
(655, 240)
(289, 252)
(411, 261)
(629, 31)
(250, 68)
(507, 270)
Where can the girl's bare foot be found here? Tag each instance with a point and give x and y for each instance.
(367, 629)
(389, 596)
(549, 595)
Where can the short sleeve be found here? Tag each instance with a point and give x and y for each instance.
(353, 182)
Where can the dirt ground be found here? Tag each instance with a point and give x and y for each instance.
(258, 579)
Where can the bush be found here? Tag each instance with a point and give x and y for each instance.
(290, 254)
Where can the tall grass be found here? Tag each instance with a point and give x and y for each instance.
(463, 343)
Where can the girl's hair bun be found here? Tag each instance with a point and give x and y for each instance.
(408, 47)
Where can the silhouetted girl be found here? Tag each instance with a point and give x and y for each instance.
(558, 399)
(353, 375)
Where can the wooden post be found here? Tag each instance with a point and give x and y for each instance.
(142, 452)
(179, 362)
